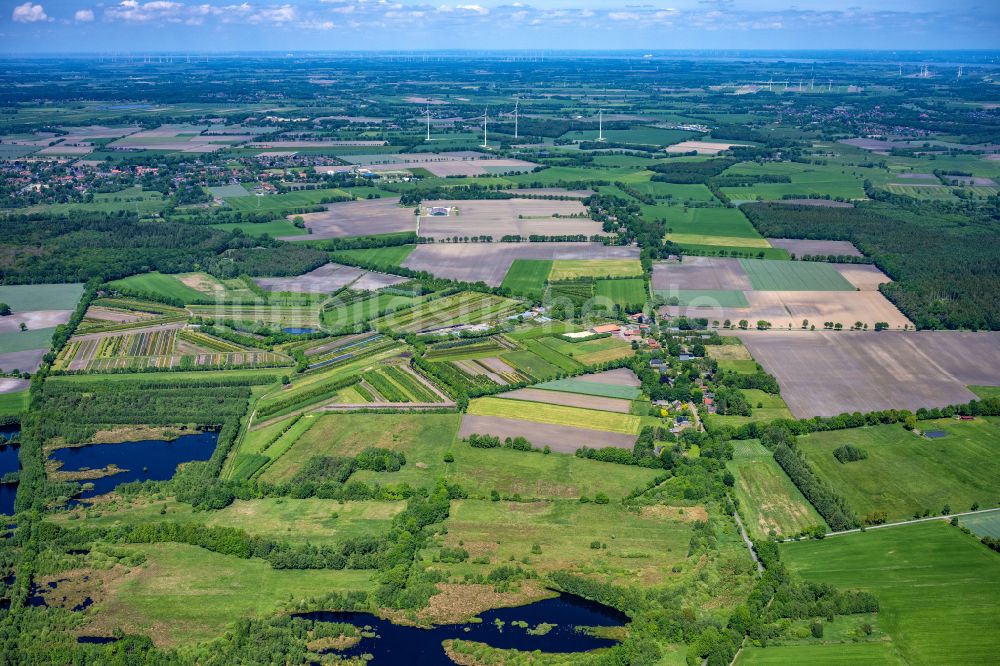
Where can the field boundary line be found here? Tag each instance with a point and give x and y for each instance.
(913, 521)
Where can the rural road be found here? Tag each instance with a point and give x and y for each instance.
(749, 543)
(906, 522)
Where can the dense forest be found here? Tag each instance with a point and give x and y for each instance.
(945, 267)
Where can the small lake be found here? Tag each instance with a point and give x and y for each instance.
(8, 491)
(298, 331)
(397, 644)
(144, 460)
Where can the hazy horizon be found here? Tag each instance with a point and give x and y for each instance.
(81, 26)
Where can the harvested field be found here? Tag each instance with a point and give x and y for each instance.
(570, 400)
(34, 320)
(701, 273)
(815, 248)
(865, 277)
(827, 373)
(329, 278)
(325, 279)
(784, 308)
(25, 361)
(507, 217)
(618, 377)
(489, 262)
(357, 218)
(563, 439)
(701, 147)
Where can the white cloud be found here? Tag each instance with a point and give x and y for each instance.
(84, 15)
(478, 9)
(29, 13)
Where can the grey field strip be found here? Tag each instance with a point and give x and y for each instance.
(563, 439)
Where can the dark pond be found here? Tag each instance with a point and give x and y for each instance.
(8, 491)
(397, 644)
(298, 331)
(10, 430)
(99, 640)
(148, 459)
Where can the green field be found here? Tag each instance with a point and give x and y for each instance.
(827, 654)
(297, 521)
(273, 228)
(591, 388)
(590, 352)
(158, 284)
(33, 338)
(629, 294)
(937, 588)
(381, 256)
(640, 546)
(276, 203)
(527, 277)
(229, 191)
(983, 524)
(726, 298)
(28, 297)
(555, 415)
(641, 134)
(340, 316)
(769, 501)
(771, 407)
(570, 269)
(426, 438)
(986, 391)
(807, 179)
(767, 275)
(184, 593)
(710, 226)
(905, 473)
(13, 403)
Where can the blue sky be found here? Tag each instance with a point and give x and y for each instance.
(285, 25)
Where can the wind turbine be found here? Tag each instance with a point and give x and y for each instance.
(517, 101)
(600, 124)
(486, 113)
(428, 114)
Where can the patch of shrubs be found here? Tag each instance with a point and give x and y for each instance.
(848, 453)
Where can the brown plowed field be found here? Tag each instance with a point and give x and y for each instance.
(564, 439)
(828, 373)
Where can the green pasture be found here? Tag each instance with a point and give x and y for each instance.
(555, 414)
(905, 474)
(807, 179)
(28, 297)
(527, 277)
(159, 284)
(18, 341)
(937, 587)
(279, 227)
(822, 654)
(772, 407)
(601, 389)
(769, 502)
(766, 275)
(983, 524)
(187, 594)
(13, 403)
(628, 294)
(275, 203)
(726, 298)
(380, 256)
